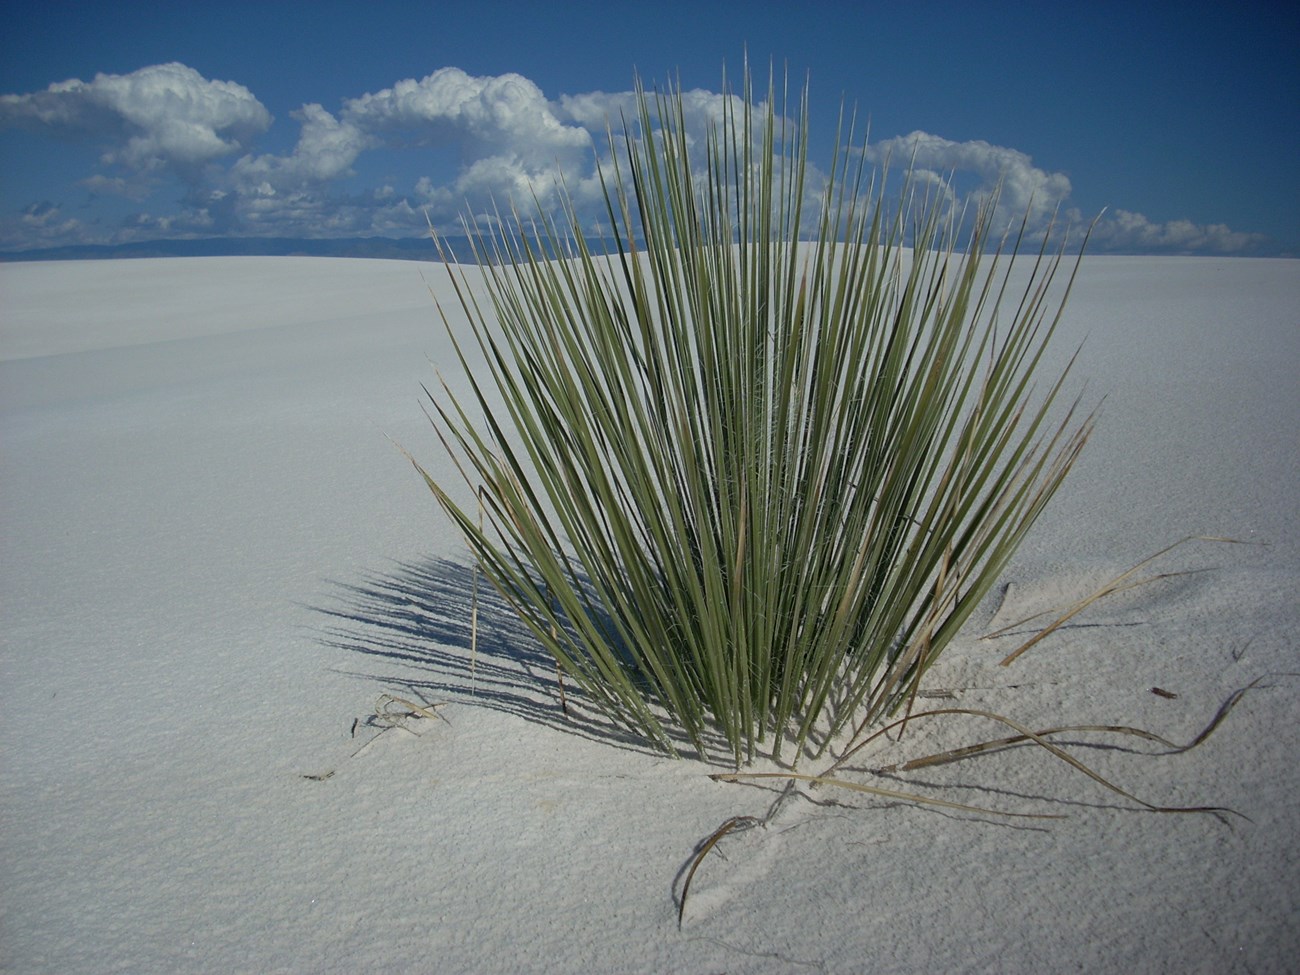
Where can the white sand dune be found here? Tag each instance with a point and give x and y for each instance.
(214, 562)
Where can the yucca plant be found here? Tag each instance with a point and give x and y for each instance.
(763, 450)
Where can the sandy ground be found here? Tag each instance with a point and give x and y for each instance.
(215, 562)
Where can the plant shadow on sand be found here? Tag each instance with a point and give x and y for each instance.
(454, 638)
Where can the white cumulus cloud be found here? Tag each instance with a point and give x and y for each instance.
(1024, 188)
(1124, 230)
(507, 140)
(503, 114)
(326, 150)
(167, 115)
(505, 134)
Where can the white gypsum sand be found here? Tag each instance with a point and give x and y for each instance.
(215, 563)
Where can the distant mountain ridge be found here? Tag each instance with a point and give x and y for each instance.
(381, 248)
(387, 248)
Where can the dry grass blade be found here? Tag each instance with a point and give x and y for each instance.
(878, 791)
(1080, 766)
(1226, 707)
(968, 751)
(956, 754)
(384, 711)
(735, 822)
(1121, 583)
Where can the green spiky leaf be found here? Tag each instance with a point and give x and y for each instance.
(746, 469)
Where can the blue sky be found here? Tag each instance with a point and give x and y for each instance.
(137, 121)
